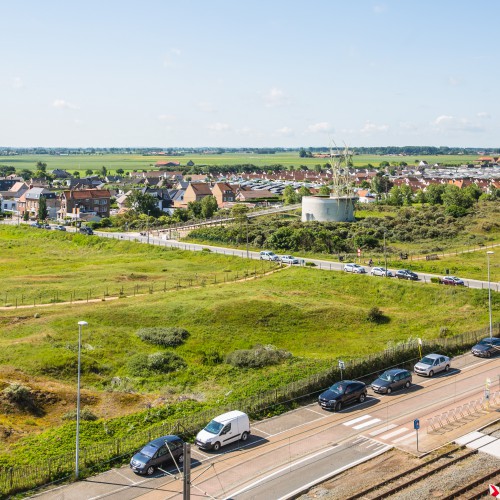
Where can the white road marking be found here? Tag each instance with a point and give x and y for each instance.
(260, 430)
(314, 411)
(117, 471)
(367, 424)
(395, 433)
(384, 429)
(411, 436)
(356, 420)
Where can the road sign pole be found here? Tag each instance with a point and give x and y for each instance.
(416, 426)
(341, 366)
(187, 472)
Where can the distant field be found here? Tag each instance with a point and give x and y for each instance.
(137, 162)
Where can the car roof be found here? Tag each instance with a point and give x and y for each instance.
(395, 371)
(434, 356)
(162, 440)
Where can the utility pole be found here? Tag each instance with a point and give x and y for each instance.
(186, 491)
(385, 256)
(147, 226)
(246, 218)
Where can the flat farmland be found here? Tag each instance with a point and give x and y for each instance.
(112, 162)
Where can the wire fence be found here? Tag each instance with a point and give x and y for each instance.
(99, 456)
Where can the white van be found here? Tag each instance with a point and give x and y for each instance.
(224, 429)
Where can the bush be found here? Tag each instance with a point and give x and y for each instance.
(158, 362)
(435, 279)
(375, 315)
(166, 337)
(18, 394)
(85, 414)
(211, 357)
(257, 357)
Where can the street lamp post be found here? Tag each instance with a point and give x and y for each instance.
(80, 324)
(147, 226)
(489, 291)
(385, 256)
(246, 218)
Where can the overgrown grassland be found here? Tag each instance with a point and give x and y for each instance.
(45, 265)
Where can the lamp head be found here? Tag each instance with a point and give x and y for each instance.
(82, 323)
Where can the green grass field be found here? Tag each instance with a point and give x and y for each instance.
(137, 162)
(316, 315)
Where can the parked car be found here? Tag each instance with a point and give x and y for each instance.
(392, 380)
(266, 255)
(431, 364)
(224, 429)
(381, 271)
(59, 228)
(406, 274)
(289, 259)
(452, 280)
(46, 226)
(86, 230)
(342, 393)
(35, 224)
(486, 347)
(354, 268)
(157, 453)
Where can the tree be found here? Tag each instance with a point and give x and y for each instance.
(120, 171)
(239, 212)
(324, 191)
(454, 196)
(434, 193)
(26, 216)
(6, 170)
(381, 184)
(88, 172)
(395, 197)
(142, 203)
(302, 153)
(42, 167)
(26, 174)
(208, 206)
(194, 209)
(304, 191)
(43, 213)
(290, 196)
(103, 171)
(407, 194)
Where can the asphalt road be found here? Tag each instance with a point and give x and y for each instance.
(307, 445)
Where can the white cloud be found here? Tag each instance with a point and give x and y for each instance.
(285, 132)
(483, 114)
(218, 127)
(206, 107)
(320, 127)
(275, 97)
(408, 126)
(166, 117)
(370, 128)
(447, 123)
(62, 104)
(17, 83)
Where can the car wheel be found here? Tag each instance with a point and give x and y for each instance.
(338, 406)
(216, 446)
(407, 384)
(362, 397)
(488, 354)
(431, 374)
(150, 470)
(244, 436)
(447, 368)
(389, 390)
(180, 458)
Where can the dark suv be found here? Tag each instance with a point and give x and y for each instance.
(157, 453)
(405, 274)
(487, 347)
(392, 380)
(86, 230)
(342, 393)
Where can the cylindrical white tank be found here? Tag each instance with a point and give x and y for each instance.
(323, 209)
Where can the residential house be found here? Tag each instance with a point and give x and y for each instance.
(29, 202)
(261, 194)
(223, 193)
(75, 203)
(196, 191)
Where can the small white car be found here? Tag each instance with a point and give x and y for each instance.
(431, 364)
(354, 268)
(266, 255)
(289, 259)
(381, 271)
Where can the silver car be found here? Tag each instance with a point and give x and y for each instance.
(289, 259)
(381, 271)
(354, 268)
(431, 364)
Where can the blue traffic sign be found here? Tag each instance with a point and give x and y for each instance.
(416, 424)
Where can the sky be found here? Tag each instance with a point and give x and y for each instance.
(240, 73)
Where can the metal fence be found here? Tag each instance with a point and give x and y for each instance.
(25, 477)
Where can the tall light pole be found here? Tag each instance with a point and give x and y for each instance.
(147, 226)
(385, 256)
(80, 324)
(489, 290)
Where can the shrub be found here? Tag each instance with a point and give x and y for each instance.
(18, 394)
(85, 414)
(310, 264)
(166, 337)
(435, 279)
(257, 357)
(375, 315)
(158, 362)
(211, 357)
(444, 332)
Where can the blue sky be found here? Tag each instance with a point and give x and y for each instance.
(249, 73)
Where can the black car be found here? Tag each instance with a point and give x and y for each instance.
(157, 453)
(342, 393)
(392, 380)
(86, 230)
(487, 347)
(406, 274)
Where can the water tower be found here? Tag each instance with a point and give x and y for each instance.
(339, 206)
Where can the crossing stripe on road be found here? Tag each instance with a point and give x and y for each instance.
(394, 433)
(384, 429)
(367, 424)
(356, 420)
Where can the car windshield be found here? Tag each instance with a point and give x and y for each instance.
(485, 341)
(386, 376)
(427, 361)
(214, 427)
(339, 388)
(149, 450)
